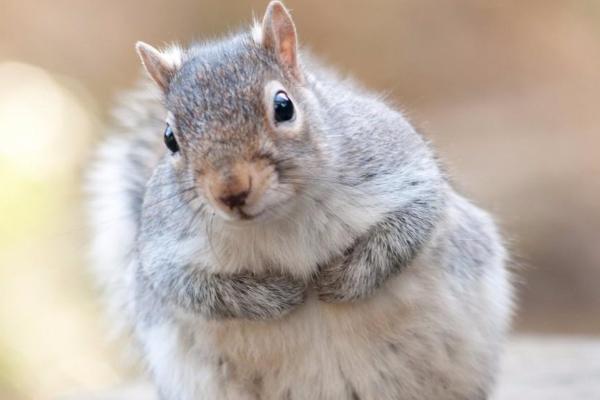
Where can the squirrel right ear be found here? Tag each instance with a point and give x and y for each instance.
(279, 34)
(159, 66)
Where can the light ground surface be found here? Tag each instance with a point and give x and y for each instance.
(535, 368)
(551, 368)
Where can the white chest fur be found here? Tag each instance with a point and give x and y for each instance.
(312, 233)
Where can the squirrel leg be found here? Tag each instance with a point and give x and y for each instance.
(386, 249)
(217, 296)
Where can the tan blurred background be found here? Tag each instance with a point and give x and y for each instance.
(508, 91)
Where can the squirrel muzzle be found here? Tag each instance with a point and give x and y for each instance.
(236, 191)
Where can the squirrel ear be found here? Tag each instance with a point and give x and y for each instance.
(159, 66)
(279, 34)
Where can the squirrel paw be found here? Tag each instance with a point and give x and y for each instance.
(268, 296)
(343, 280)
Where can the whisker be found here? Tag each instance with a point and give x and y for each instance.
(157, 203)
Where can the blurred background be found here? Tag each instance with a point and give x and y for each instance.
(508, 92)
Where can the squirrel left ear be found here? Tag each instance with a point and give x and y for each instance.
(279, 34)
(160, 66)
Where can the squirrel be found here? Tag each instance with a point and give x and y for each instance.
(268, 230)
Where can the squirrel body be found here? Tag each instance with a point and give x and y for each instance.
(312, 250)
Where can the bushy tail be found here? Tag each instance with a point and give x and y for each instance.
(115, 186)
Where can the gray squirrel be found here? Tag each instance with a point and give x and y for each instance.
(270, 231)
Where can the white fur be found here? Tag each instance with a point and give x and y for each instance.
(173, 55)
(306, 236)
(257, 32)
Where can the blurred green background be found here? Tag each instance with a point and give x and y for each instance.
(508, 91)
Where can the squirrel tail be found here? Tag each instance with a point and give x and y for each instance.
(115, 186)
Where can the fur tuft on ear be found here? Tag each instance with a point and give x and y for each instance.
(161, 67)
(279, 34)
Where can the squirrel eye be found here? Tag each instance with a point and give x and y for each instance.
(170, 140)
(283, 107)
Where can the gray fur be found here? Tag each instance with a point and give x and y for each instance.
(185, 283)
(235, 296)
(371, 279)
(386, 248)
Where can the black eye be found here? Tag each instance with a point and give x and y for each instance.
(170, 140)
(283, 107)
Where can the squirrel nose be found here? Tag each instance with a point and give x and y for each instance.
(235, 199)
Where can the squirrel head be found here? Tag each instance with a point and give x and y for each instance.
(237, 124)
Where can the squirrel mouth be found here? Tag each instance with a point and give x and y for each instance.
(244, 216)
